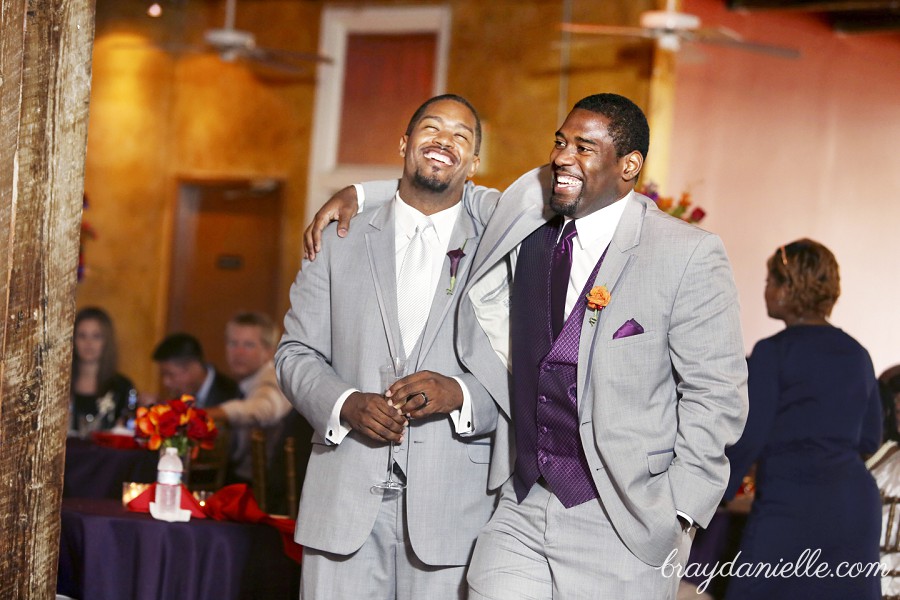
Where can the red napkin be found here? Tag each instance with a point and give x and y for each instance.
(237, 503)
(232, 503)
(114, 440)
(188, 502)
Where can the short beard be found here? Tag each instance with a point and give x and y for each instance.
(432, 184)
(565, 210)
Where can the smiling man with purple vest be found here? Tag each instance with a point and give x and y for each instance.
(627, 378)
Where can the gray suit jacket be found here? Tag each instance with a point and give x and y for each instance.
(341, 327)
(658, 409)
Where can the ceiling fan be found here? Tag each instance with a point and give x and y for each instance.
(670, 28)
(233, 44)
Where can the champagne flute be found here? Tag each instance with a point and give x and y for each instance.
(389, 374)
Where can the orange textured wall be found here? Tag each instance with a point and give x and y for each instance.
(158, 116)
(162, 115)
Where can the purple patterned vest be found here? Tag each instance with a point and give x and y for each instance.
(545, 373)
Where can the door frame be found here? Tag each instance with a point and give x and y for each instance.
(325, 176)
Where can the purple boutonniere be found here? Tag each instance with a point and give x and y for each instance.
(455, 256)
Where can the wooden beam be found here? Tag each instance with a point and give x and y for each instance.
(813, 5)
(45, 58)
(866, 22)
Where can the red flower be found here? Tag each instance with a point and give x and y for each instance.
(200, 428)
(697, 215)
(178, 406)
(176, 423)
(168, 423)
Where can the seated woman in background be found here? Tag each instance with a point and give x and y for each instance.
(814, 412)
(99, 392)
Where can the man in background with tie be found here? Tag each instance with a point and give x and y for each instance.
(628, 378)
(390, 290)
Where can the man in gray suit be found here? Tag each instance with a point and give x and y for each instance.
(628, 374)
(361, 541)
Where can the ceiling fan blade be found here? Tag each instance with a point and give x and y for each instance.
(271, 62)
(580, 28)
(721, 36)
(292, 55)
(268, 67)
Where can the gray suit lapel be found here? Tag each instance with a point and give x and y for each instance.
(381, 253)
(463, 231)
(521, 209)
(618, 257)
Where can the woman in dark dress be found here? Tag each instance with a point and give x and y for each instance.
(814, 412)
(99, 393)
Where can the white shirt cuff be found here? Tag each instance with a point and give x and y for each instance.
(336, 430)
(462, 417)
(685, 517)
(360, 197)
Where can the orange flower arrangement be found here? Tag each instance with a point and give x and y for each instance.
(176, 423)
(597, 298)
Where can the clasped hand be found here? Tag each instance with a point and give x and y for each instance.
(374, 416)
(384, 418)
(425, 393)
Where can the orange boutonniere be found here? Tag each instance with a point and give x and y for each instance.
(597, 298)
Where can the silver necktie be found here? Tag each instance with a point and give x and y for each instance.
(414, 287)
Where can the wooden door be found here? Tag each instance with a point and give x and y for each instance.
(225, 258)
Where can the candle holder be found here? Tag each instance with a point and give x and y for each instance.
(131, 490)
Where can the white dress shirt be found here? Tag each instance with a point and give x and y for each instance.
(203, 392)
(406, 218)
(594, 232)
(263, 404)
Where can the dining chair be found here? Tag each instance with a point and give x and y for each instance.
(208, 470)
(890, 541)
(890, 544)
(263, 483)
(290, 466)
(288, 456)
(259, 466)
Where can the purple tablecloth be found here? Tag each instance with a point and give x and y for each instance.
(109, 553)
(94, 471)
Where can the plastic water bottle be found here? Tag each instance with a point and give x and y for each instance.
(168, 483)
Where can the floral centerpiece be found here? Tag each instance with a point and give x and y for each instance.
(680, 209)
(178, 424)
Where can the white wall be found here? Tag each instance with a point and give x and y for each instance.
(778, 149)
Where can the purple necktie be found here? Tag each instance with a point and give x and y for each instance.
(561, 267)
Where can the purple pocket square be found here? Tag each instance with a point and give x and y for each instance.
(629, 328)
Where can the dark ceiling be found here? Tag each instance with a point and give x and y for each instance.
(844, 16)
